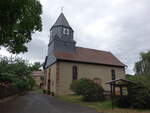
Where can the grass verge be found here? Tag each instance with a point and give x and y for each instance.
(103, 107)
(38, 90)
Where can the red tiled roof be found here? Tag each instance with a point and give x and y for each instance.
(37, 73)
(90, 56)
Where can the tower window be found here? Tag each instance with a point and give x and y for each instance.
(113, 74)
(66, 31)
(74, 73)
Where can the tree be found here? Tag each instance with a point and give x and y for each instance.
(142, 67)
(16, 71)
(14, 65)
(36, 66)
(18, 20)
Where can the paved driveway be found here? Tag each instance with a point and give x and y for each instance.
(38, 103)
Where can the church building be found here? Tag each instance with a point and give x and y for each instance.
(66, 62)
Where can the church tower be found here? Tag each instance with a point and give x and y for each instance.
(61, 39)
(61, 36)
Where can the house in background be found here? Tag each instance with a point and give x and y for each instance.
(66, 62)
(38, 76)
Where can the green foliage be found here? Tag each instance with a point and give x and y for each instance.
(22, 85)
(98, 105)
(142, 67)
(31, 82)
(16, 70)
(36, 66)
(14, 65)
(6, 78)
(44, 91)
(48, 92)
(18, 20)
(88, 89)
(139, 93)
(141, 80)
(123, 102)
(140, 97)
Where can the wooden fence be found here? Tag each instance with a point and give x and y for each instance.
(7, 91)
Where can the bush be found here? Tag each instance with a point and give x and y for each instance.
(6, 77)
(31, 82)
(48, 92)
(88, 89)
(22, 85)
(123, 102)
(139, 94)
(44, 91)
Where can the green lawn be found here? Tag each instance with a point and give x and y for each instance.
(38, 90)
(105, 106)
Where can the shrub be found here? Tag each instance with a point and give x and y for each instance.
(124, 101)
(6, 77)
(139, 94)
(88, 89)
(31, 82)
(22, 85)
(44, 91)
(48, 92)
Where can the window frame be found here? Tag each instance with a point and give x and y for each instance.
(113, 74)
(74, 73)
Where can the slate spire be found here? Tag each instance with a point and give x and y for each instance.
(61, 21)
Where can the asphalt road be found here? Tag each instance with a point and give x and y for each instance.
(39, 103)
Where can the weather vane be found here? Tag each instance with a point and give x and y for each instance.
(62, 9)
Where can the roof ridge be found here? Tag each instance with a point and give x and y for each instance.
(94, 49)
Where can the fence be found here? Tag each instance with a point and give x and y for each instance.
(7, 91)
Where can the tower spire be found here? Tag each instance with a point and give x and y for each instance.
(61, 21)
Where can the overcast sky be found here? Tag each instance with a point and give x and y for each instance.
(119, 26)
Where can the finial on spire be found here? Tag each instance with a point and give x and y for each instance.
(62, 9)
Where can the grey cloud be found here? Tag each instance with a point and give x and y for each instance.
(125, 35)
(37, 50)
(119, 26)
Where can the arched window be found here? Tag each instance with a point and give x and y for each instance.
(74, 73)
(113, 74)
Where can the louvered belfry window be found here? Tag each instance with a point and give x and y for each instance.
(74, 72)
